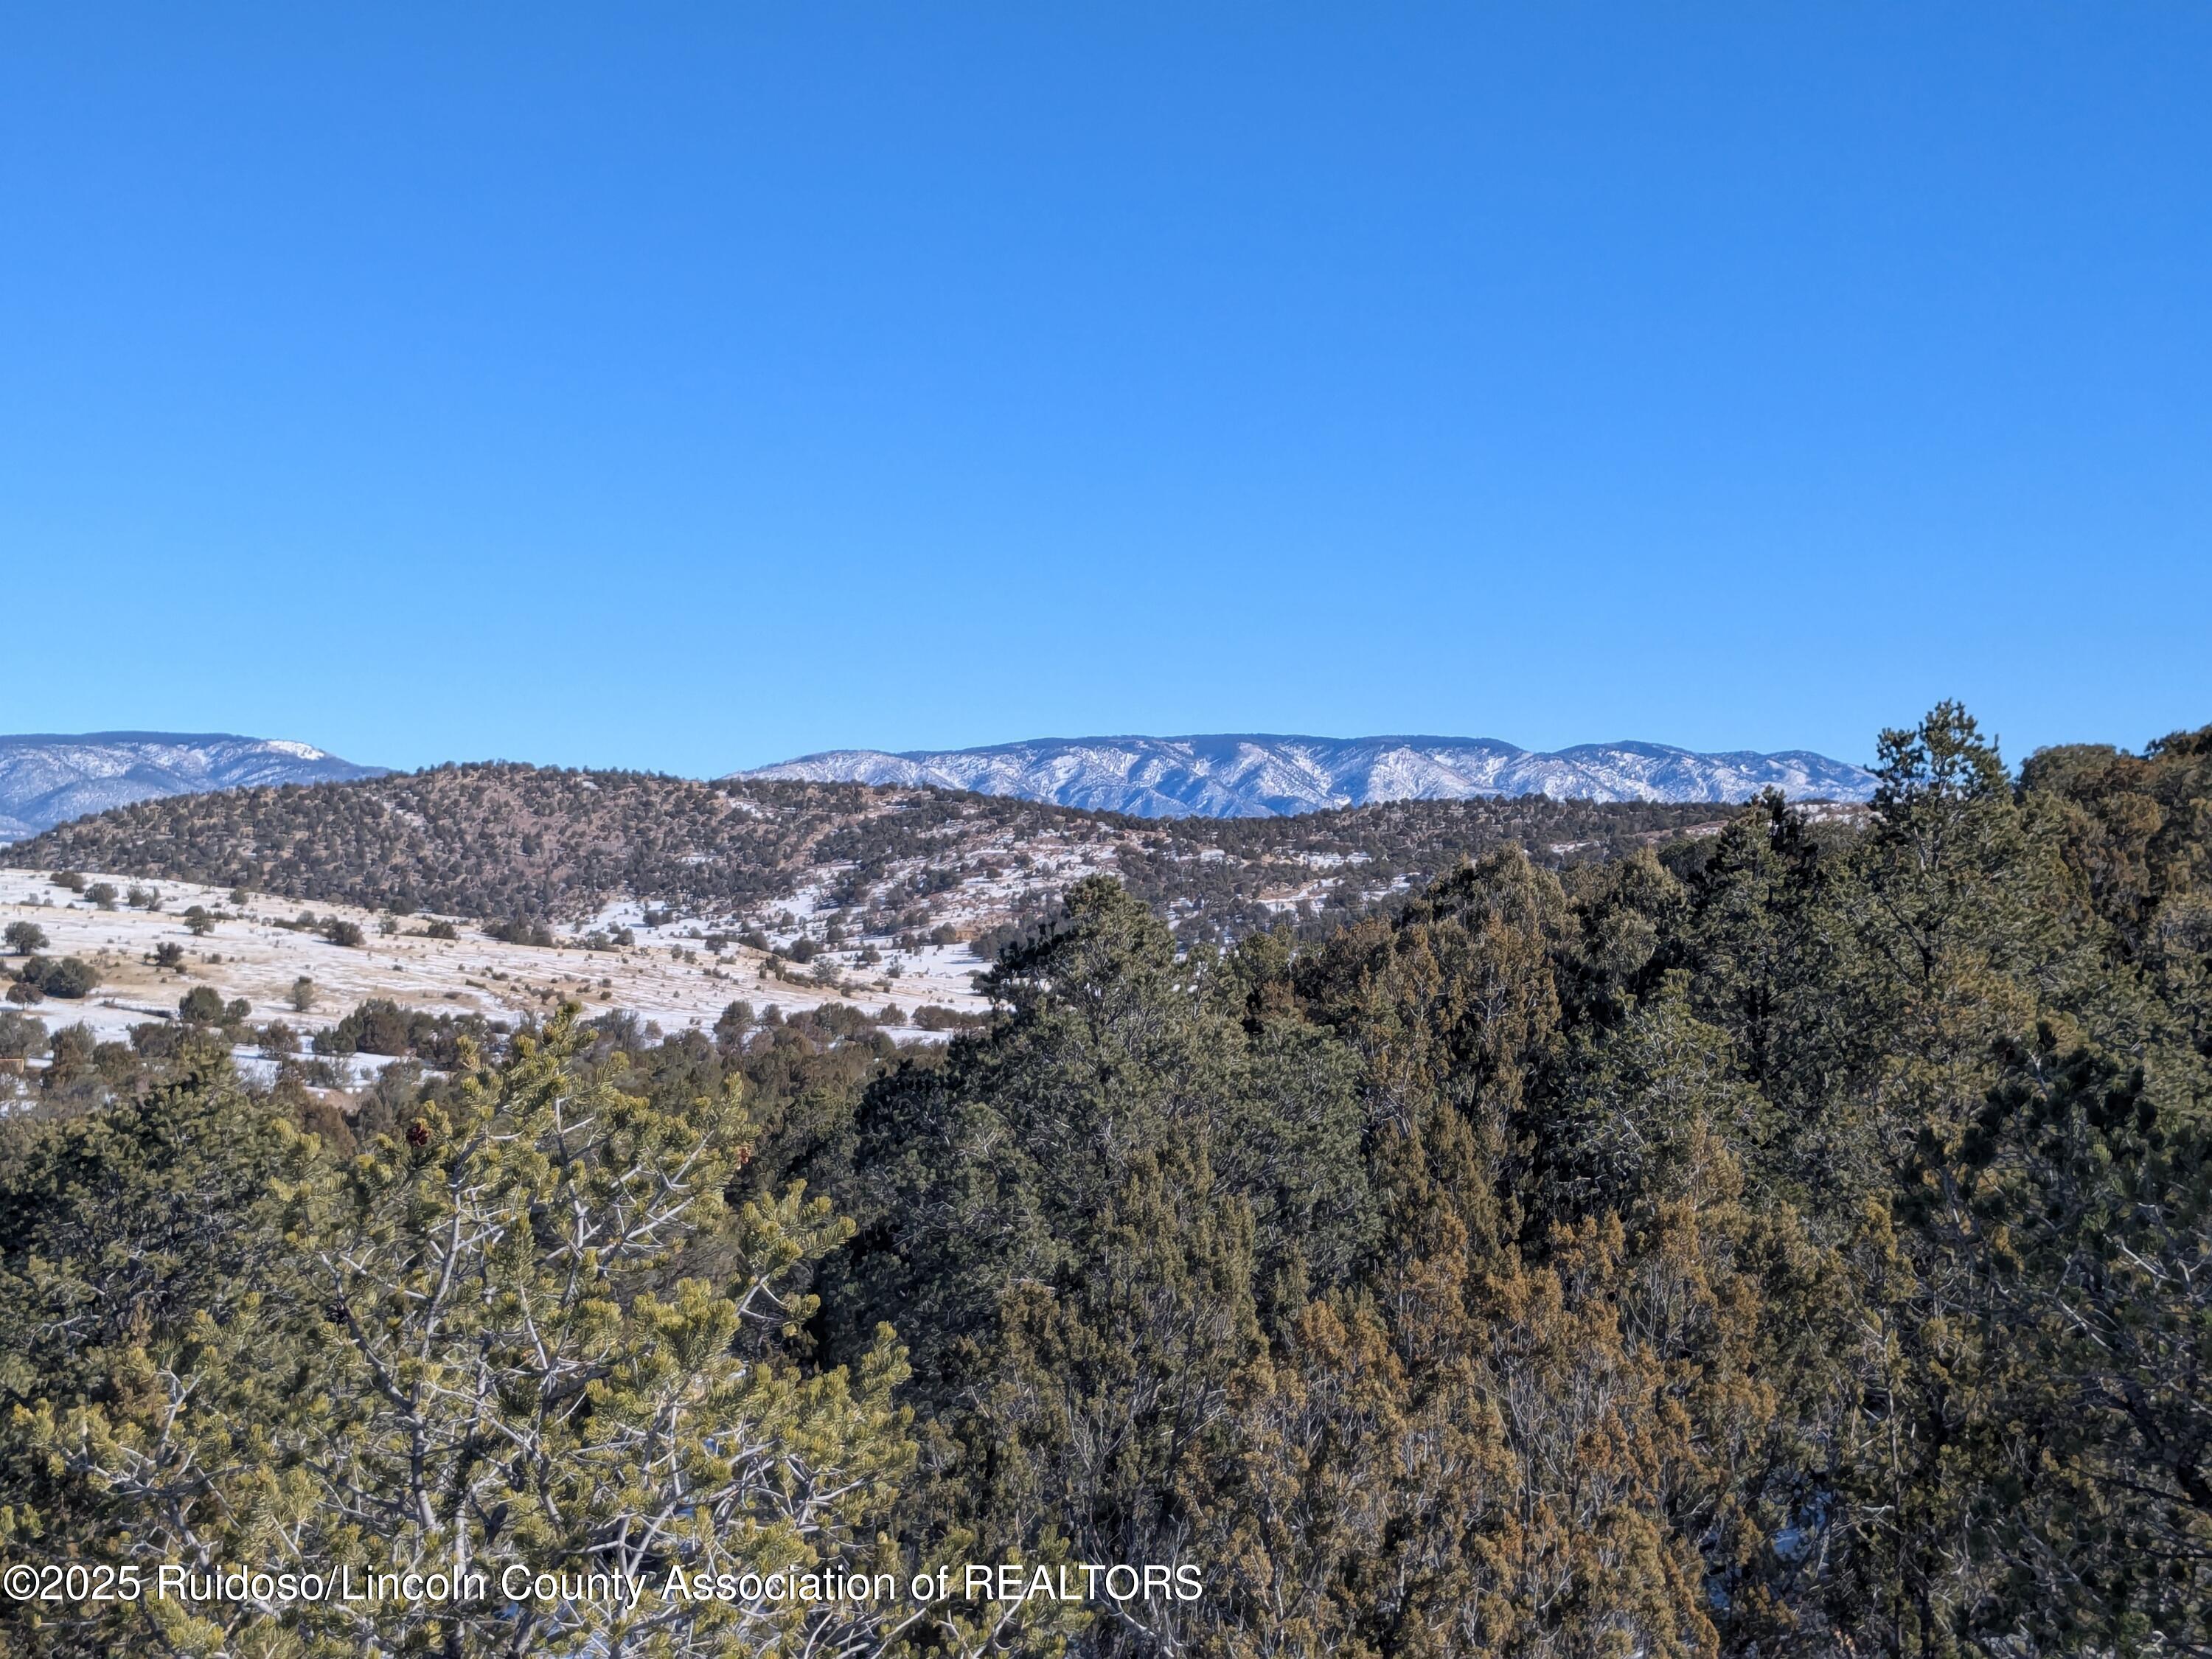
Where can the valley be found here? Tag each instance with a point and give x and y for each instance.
(501, 891)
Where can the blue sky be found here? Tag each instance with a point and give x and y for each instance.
(689, 387)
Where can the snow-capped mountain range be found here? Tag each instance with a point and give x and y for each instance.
(1263, 776)
(49, 779)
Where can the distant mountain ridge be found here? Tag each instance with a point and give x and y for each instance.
(1266, 775)
(47, 779)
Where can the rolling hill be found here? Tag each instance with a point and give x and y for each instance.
(499, 840)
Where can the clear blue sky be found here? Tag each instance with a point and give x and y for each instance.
(691, 387)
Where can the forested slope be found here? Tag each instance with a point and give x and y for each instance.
(501, 841)
(1775, 1243)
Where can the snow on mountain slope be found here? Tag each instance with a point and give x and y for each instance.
(47, 779)
(1262, 776)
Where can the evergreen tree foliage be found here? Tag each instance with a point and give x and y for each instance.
(1794, 1240)
(475, 1347)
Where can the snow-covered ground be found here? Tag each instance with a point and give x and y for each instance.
(667, 976)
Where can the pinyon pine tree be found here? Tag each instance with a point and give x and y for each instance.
(477, 1348)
